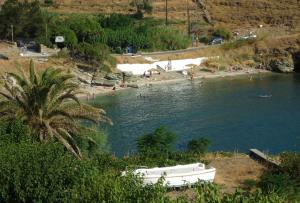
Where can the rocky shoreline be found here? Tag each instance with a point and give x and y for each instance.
(109, 88)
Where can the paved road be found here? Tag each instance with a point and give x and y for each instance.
(169, 52)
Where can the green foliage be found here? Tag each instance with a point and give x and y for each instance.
(85, 26)
(26, 18)
(36, 172)
(94, 54)
(70, 37)
(199, 146)
(96, 145)
(274, 181)
(156, 144)
(116, 21)
(166, 38)
(13, 132)
(222, 32)
(98, 55)
(290, 164)
(45, 172)
(47, 103)
(210, 193)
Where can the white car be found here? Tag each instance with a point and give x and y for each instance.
(250, 36)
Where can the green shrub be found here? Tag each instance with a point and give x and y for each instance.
(290, 164)
(71, 40)
(26, 17)
(31, 172)
(166, 38)
(85, 26)
(272, 181)
(13, 132)
(156, 144)
(210, 193)
(115, 21)
(199, 146)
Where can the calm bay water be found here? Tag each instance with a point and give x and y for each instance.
(228, 111)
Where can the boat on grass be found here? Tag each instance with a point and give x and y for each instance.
(177, 176)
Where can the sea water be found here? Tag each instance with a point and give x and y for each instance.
(235, 113)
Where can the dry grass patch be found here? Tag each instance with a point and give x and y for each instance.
(233, 171)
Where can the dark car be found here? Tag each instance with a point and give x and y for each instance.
(20, 43)
(217, 40)
(3, 57)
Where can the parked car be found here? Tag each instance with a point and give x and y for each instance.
(248, 37)
(20, 43)
(217, 40)
(3, 57)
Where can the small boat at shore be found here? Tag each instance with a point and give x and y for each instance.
(177, 176)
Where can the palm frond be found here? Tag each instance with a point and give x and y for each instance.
(48, 103)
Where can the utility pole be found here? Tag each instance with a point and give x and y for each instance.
(188, 17)
(12, 33)
(46, 32)
(166, 12)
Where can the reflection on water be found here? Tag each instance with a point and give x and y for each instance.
(229, 111)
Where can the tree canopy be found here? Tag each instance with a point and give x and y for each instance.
(26, 19)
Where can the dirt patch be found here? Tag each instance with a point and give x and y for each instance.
(233, 171)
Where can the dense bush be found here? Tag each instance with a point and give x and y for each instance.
(34, 172)
(281, 183)
(70, 36)
(210, 193)
(118, 31)
(25, 17)
(38, 172)
(156, 144)
(290, 164)
(199, 146)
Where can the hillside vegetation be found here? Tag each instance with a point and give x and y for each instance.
(233, 13)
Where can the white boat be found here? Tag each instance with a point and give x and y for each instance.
(177, 176)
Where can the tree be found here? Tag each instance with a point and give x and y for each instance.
(85, 26)
(158, 143)
(199, 146)
(25, 17)
(98, 56)
(48, 103)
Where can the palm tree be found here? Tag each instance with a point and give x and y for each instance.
(48, 103)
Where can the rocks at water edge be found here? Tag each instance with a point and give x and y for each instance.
(281, 65)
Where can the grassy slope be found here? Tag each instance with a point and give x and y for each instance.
(233, 13)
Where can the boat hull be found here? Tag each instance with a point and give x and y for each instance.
(177, 176)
